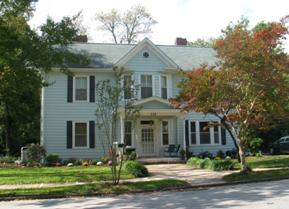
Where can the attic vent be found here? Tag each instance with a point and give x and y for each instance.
(145, 55)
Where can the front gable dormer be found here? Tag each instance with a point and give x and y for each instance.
(146, 56)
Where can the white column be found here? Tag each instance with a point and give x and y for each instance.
(121, 129)
(184, 135)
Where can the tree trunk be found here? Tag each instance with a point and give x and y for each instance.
(242, 154)
(234, 141)
(8, 131)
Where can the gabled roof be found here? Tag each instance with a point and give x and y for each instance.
(147, 43)
(105, 55)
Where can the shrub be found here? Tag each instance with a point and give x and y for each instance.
(35, 154)
(215, 165)
(85, 163)
(205, 154)
(104, 159)
(220, 154)
(221, 165)
(198, 162)
(74, 161)
(136, 169)
(131, 156)
(7, 159)
(232, 153)
(259, 154)
(255, 144)
(189, 154)
(94, 162)
(52, 159)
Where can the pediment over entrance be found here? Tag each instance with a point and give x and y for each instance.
(154, 103)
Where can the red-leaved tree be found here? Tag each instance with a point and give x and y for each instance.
(249, 87)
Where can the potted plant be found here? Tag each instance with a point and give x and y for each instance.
(182, 154)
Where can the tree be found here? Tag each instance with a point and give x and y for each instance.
(114, 100)
(127, 27)
(202, 43)
(248, 88)
(25, 54)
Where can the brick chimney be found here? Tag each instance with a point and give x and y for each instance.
(181, 41)
(81, 39)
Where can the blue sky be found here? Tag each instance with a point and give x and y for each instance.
(189, 19)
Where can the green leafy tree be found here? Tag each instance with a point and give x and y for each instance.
(202, 42)
(25, 54)
(115, 99)
(249, 88)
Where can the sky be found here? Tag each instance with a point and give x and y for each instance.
(190, 19)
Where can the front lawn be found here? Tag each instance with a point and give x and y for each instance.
(93, 189)
(257, 175)
(27, 175)
(271, 161)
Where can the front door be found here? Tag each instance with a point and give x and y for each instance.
(147, 140)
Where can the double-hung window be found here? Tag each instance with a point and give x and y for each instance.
(146, 86)
(128, 133)
(165, 133)
(80, 134)
(205, 137)
(81, 88)
(164, 87)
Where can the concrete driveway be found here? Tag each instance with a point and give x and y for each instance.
(265, 195)
(186, 173)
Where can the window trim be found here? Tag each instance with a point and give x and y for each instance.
(153, 84)
(163, 145)
(73, 135)
(74, 88)
(198, 136)
(167, 79)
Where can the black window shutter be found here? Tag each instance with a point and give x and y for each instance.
(69, 134)
(223, 133)
(187, 132)
(69, 88)
(91, 134)
(91, 88)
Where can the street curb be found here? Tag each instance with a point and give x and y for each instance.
(182, 188)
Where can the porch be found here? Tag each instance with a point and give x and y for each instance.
(158, 126)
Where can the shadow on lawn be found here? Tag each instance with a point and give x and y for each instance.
(219, 197)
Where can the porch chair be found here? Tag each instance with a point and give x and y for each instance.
(172, 149)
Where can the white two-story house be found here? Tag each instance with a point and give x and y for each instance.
(68, 122)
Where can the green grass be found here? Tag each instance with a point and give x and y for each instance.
(272, 161)
(27, 175)
(257, 175)
(93, 189)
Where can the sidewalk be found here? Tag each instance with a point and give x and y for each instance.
(195, 177)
